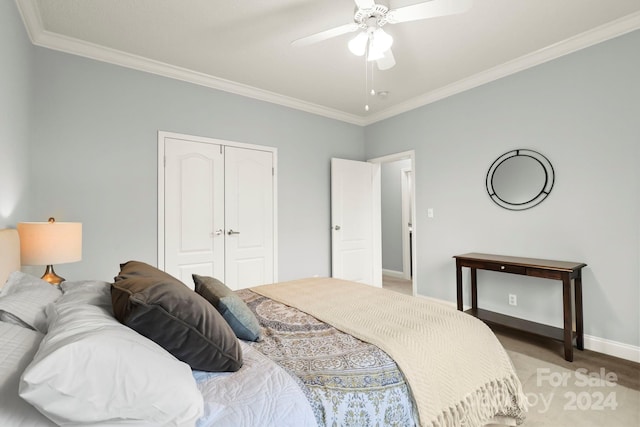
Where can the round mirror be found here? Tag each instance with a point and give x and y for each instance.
(520, 179)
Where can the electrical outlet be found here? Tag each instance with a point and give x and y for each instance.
(513, 299)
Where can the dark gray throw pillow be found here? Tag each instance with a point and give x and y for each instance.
(165, 310)
(231, 307)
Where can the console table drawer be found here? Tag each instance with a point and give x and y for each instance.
(494, 266)
(545, 274)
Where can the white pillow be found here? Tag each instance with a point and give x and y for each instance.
(23, 300)
(92, 369)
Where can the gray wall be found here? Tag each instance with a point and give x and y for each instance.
(582, 112)
(391, 214)
(94, 159)
(15, 119)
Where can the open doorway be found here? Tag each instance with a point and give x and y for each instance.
(398, 222)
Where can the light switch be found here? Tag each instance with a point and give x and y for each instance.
(430, 212)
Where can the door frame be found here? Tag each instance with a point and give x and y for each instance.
(162, 135)
(406, 182)
(410, 154)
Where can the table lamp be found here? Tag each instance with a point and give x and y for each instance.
(48, 243)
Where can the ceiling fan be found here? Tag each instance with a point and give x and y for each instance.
(370, 17)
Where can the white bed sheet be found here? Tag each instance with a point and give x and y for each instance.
(18, 347)
(261, 393)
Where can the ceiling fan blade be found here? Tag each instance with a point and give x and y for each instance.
(324, 35)
(429, 9)
(387, 61)
(365, 4)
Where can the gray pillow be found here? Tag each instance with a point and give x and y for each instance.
(165, 310)
(233, 309)
(23, 300)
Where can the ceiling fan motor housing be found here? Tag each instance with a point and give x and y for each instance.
(378, 12)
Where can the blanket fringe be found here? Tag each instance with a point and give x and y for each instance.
(504, 397)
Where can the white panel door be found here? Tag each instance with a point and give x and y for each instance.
(249, 217)
(354, 221)
(193, 210)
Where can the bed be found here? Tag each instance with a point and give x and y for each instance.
(308, 352)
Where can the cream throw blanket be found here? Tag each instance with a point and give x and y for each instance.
(458, 372)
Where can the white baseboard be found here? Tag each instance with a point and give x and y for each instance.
(612, 348)
(393, 273)
(600, 345)
(440, 301)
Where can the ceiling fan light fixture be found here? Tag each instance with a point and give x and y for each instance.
(382, 40)
(374, 55)
(358, 44)
(379, 43)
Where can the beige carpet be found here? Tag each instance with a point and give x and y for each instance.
(562, 397)
(397, 284)
(552, 351)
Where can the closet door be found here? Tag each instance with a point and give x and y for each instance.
(249, 218)
(193, 210)
(216, 210)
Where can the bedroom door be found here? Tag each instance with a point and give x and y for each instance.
(355, 221)
(216, 211)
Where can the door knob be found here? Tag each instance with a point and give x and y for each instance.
(230, 232)
(337, 227)
(216, 233)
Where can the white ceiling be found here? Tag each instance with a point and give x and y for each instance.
(243, 46)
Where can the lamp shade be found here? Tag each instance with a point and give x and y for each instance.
(47, 243)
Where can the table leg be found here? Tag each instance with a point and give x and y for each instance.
(474, 289)
(568, 327)
(459, 283)
(578, 307)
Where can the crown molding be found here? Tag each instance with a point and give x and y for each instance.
(31, 17)
(139, 63)
(580, 41)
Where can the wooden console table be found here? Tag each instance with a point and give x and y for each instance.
(547, 269)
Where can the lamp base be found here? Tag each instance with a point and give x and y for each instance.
(51, 276)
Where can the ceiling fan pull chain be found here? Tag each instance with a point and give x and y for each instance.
(366, 82)
(373, 84)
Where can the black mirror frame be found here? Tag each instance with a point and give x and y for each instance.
(546, 189)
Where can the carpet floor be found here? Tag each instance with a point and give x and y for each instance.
(397, 284)
(594, 390)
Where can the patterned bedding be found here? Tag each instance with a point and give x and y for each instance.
(348, 382)
(457, 370)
